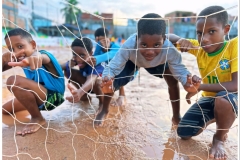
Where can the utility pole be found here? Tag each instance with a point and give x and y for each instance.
(15, 10)
(33, 14)
(47, 20)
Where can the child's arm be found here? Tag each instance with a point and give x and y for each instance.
(35, 61)
(173, 38)
(98, 50)
(10, 57)
(7, 57)
(95, 60)
(231, 86)
(78, 93)
(182, 43)
(103, 57)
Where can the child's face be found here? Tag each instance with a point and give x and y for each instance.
(80, 52)
(17, 44)
(150, 45)
(99, 38)
(211, 35)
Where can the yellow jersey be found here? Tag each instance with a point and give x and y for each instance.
(217, 67)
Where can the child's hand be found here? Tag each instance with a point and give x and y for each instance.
(91, 60)
(107, 85)
(33, 62)
(196, 82)
(11, 57)
(189, 95)
(75, 95)
(73, 63)
(193, 84)
(185, 45)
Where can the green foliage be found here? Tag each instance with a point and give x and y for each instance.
(69, 10)
(97, 13)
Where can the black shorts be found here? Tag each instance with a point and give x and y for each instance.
(130, 71)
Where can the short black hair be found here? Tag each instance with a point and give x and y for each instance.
(80, 42)
(19, 32)
(100, 32)
(221, 17)
(151, 26)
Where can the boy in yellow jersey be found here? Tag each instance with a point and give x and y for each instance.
(218, 65)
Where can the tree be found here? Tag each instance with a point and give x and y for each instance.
(97, 13)
(69, 10)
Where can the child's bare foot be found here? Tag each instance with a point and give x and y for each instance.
(217, 150)
(31, 128)
(120, 102)
(176, 120)
(100, 118)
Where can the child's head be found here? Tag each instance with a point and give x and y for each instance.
(20, 42)
(151, 35)
(100, 34)
(212, 28)
(82, 48)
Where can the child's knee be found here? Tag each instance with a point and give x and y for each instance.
(183, 133)
(13, 81)
(220, 104)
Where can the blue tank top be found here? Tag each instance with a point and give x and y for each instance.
(44, 77)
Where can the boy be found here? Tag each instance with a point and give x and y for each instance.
(43, 87)
(218, 64)
(104, 52)
(84, 78)
(146, 49)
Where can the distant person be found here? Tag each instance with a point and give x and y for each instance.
(119, 40)
(41, 89)
(84, 78)
(123, 40)
(144, 49)
(218, 65)
(112, 39)
(104, 52)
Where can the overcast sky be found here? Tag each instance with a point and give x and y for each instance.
(137, 8)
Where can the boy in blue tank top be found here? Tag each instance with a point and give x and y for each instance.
(41, 89)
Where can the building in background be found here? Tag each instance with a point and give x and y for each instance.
(10, 11)
(124, 32)
(89, 23)
(181, 23)
(233, 21)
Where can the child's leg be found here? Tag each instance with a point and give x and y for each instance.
(224, 113)
(205, 112)
(120, 80)
(174, 94)
(121, 100)
(98, 91)
(28, 100)
(198, 117)
(11, 105)
(104, 111)
(162, 71)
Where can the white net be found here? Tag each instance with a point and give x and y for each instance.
(141, 129)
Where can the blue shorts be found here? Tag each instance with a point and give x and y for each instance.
(130, 70)
(193, 120)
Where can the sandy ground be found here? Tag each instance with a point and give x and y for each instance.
(140, 130)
